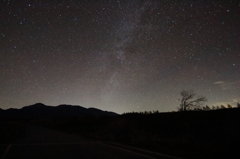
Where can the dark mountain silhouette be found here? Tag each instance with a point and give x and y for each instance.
(40, 110)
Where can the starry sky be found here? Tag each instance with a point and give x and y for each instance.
(118, 55)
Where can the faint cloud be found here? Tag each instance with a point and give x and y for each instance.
(232, 83)
(235, 100)
(219, 82)
(228, 85)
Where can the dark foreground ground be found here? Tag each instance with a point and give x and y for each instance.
(196, 135)
(43, 143)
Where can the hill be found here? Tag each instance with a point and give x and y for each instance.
(39, 110)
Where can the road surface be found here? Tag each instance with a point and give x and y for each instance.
(42, 143)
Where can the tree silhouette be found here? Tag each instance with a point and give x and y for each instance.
(229, 106)
(222, 107)
(188, 102)
(238, 105)
(206, 108)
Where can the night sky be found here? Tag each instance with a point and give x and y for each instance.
(118, 55)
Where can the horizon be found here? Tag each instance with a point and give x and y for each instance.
(120, 56)
(214, 107)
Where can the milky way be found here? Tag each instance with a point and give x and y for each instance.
(118, 55)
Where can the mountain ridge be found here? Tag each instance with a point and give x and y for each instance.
(40, 110)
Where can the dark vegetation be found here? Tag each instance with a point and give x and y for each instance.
(187, 134)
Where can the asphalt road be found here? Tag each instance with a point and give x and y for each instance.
(42, 143)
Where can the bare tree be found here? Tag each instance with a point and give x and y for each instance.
(189, 101)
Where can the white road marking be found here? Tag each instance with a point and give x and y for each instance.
(78, 143)
(156, 153)
(51, 143)
(127, 150)
(6, 152)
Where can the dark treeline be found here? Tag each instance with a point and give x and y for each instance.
(202, 108)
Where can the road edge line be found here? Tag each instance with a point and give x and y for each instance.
(6, 152)
(148, 151)
(126, 150)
